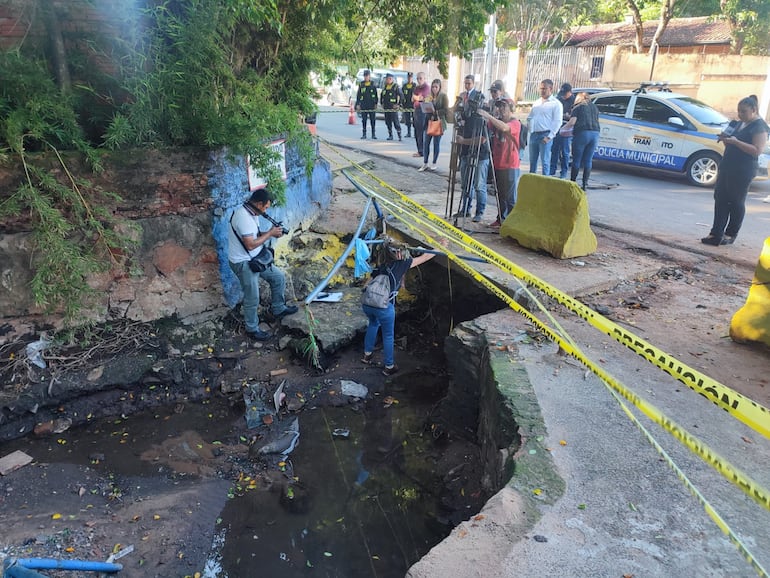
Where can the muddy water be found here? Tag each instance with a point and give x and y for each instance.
(367, 504)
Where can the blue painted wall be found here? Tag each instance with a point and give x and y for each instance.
(306, 197)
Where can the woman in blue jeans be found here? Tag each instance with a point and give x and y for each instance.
(584, 121)
(397, 263)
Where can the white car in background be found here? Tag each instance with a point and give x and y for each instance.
(661, 130)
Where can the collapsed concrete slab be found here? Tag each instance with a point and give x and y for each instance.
(551, 215)
(752, 321)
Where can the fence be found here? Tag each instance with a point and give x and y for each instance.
(581, 67)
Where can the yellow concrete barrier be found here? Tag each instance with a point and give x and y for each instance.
(752, 321)
(551, 215)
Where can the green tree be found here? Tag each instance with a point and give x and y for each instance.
(749, 22)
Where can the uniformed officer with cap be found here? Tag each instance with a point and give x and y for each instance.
(391, 99)
(407, 91)
(366, 102)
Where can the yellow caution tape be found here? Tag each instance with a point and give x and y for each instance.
(739, 406)
(404, 209)
(420, 216)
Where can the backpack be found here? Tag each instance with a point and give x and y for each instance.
(377, 292)
(523, 136)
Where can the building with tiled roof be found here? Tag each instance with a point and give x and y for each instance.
(702, 34)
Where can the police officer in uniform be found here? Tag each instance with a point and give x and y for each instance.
(366, 102)
(406, 99)
(391, 99)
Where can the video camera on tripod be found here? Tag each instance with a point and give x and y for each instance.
(468, 108)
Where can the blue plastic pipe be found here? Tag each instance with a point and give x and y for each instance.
(53, 564)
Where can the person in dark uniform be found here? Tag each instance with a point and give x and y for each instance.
(406, 99)
(391, 99)
(366, 102)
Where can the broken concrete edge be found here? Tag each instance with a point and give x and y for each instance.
(508, 409)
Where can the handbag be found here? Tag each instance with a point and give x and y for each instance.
(262, 260)
(435, 128)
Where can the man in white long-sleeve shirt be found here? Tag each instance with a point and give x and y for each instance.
(545, 119)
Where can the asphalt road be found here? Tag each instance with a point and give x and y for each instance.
(642, 202)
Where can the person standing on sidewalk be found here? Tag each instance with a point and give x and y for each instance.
(391, 100)
(440, 107)
(421, 92)
(505, 154)
(562, 144)
(544, 120)
(246, 241)
(584, 122)
(744, 141)
(366, 103)
(406, 103)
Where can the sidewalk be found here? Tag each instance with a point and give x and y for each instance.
(624, 511)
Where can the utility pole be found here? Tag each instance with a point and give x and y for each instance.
(489, 48)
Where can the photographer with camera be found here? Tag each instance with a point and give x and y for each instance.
(474, 154)
(251, 258)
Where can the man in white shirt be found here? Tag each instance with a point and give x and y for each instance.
(247, 240)
(544, 122)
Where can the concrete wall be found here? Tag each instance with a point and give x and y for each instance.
(718, 80)
(181, 202)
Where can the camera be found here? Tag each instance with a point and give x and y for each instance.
(475, 101)
(275, 223)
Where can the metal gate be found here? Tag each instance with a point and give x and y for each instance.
(581, 67)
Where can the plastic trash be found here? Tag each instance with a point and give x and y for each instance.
(285, 443)
(353, 389)
(256, 409)
(362, 258)
(341, 432)
(35, 352)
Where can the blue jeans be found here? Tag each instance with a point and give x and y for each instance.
(385, 319)
(507, 184)
(250, 285)
(562, 148)
(583, 146)
(477, 189)
(426, 138)
(538, 148)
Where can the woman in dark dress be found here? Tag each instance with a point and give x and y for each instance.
(744, 141)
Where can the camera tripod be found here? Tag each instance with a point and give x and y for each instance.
(469, 176)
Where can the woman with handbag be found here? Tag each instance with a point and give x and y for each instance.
(435, 125)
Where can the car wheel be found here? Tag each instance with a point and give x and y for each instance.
(702, 169)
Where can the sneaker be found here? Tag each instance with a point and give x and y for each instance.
(374, 137)
(727, 240)
(390, 137)
(259, 335)
(476, 219)
(422, 168)
(433, 168)
(367, 358)
(363, 137)
(496, 224)
(290, 310)
(711, 240)
(388, 371)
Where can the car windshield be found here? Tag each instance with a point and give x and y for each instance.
(700, 111)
